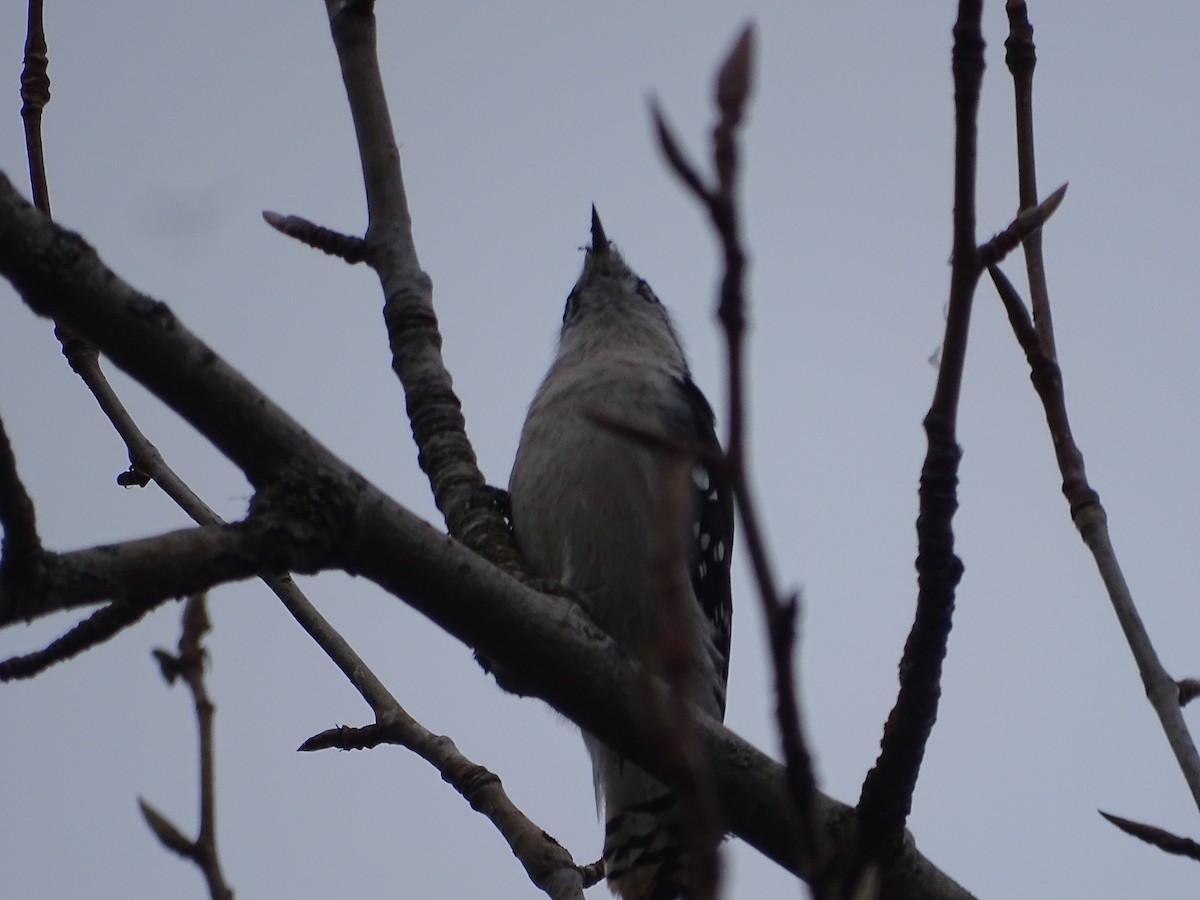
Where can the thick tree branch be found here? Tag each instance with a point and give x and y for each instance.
(547, 641)
(146, 571)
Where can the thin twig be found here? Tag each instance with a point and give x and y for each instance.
(348, 247)
(188, 665)
(1028, 222)
(1090, 519)
(547, 863)
(733, 87)
(887, 791)
(1163, 840)
(35, 94)
(97, 628)
(1021, 59)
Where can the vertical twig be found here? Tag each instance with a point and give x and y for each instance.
(188, 665)
(434, 410)
(887, 791)
(1021, 59)
(732, 92)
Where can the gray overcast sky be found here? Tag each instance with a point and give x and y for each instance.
(173, 125)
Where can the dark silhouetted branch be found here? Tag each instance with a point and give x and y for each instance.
(887, 791)
(1021, 59)
(345, 246)
(188, 666)
(91, 632)
(1027, 223)
(545, 640)
(434, 410)
(21, 548)
(1163, 840)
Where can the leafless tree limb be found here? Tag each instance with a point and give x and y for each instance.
(1091, 520)
(336, 513)
(887, 791)
(20, 548)
(1036, 338)
(188, 665)
(1021, 59)
(35, 94)
(91, 632)
(1157, 837)
(732, 91)
(346, 246)
(547, 863)
(434, 409)
(149, 570)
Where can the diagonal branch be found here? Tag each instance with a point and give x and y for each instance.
(1156, 837)
(547, 863)
(1092, 522)
(21, 548)
(546, 641)
(1036, 338)
(97, 628)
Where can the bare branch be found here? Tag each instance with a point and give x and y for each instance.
(732, 92)
(547, 863)
(1028, 221)
(434, 409)
(1021, 59)
(545, 640)
(887, 791)
(348, 247)
(91, 632)
(1163, 840)
(35, 94)
(188, 665)
(21, 547)
(1092, 522)
(675, 157)
(1086, 510)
